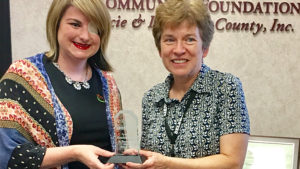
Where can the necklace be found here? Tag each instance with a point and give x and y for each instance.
(76, 84)
(173, 135)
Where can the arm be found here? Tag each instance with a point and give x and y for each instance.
(86, 154)
(9, 139)
(12, 144)
(233, 149)
(234, 121)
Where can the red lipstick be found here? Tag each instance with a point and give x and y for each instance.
(81, 46)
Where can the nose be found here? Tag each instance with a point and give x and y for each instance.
(179, 48)
(84, 34)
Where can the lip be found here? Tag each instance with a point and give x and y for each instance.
(179, 61)
(81, 46)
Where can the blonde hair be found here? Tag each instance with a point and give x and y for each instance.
(174, 12)
(95, 11)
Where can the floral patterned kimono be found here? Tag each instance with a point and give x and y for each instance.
(32, 118)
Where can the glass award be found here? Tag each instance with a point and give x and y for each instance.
(126, 137)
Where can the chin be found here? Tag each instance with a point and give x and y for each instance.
(184, 74)
(180, 74)
(82, 55)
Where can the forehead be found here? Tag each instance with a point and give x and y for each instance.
(74, 13)
(183, 28)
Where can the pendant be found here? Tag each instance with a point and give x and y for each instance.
(100, 98)
(77, 86)
(86, 85)
(69, 80)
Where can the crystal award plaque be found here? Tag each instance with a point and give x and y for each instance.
(127, 137)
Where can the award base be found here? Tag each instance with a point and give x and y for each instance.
(122, 159)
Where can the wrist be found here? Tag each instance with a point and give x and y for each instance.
(167, 161)
(75, 152)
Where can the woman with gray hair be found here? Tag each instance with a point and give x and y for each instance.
(196, 118)
(56, 108)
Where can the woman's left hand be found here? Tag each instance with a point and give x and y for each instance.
(153, 161)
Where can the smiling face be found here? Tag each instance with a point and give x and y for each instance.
(77, 37)
(181, 50)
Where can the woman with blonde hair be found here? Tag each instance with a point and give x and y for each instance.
(56, 108)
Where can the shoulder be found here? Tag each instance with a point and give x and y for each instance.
(29, 62)
(227, 85)
(155, 93)
(107, 75)
(223, 79)
(25, 68)
(214, 81)
(156, 89)
(109, 79)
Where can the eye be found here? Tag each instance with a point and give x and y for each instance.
(75, 24)
(190, 40)
(169, 40)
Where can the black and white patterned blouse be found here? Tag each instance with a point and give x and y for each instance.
(218, 108)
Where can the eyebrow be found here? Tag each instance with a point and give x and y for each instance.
(170, 35)
(191, 34)
(167, 35)
(72, 19)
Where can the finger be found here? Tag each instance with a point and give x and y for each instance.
(123, 166)
(105, 166)
(148, 164)
(104, 153)
(109, 166)
(131, 152)
(134, 165)
(145, 153)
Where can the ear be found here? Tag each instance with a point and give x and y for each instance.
(205, 52)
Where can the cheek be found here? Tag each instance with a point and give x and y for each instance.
(165, 51)
(63, 37)
(96, 40)
(163, 54)
(59, 39)
(97, 44)
(195, 51)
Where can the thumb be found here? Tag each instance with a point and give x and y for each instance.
(104, 153)
(145, 153)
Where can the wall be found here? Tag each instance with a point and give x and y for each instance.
(267, 63)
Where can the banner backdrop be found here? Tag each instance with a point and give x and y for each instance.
(258, 41)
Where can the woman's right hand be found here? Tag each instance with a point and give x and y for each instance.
(89, 154)
(86, 154)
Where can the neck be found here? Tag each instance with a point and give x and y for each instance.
(76, 70)
(180, 86)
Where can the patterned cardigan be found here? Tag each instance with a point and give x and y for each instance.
(32, 118)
